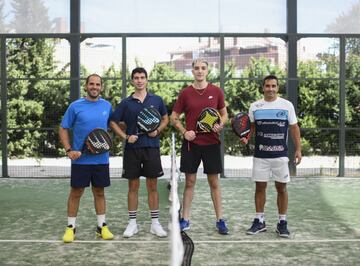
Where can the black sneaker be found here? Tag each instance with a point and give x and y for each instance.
(256, 227)
(282, 230)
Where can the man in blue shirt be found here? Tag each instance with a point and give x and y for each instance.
(142, 151)
(82, 116)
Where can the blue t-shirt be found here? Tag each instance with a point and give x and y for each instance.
(127, 112)
(82, 116)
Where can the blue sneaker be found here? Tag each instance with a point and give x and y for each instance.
(184, 224)
(256, 227)
(221, 227)
(282, 230)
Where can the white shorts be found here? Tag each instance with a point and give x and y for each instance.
(278, 168)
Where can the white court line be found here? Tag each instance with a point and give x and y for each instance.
(196, 242)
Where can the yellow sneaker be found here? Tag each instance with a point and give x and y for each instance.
(69, 235)
(104, 232)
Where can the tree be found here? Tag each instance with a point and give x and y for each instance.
(34, 103)
(2, 18)
(30, 17)
(348, 23)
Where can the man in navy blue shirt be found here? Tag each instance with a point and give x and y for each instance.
(142, 151)
(272, 118)
(82, 116)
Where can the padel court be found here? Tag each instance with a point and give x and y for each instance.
(323, 220)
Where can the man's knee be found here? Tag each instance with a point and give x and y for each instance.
(76, 192)
(98, 191)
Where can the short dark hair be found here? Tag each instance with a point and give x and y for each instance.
(93, 75)
(268, 77)
(138, 70)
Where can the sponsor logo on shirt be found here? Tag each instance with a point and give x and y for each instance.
(210, 97)
(271, 148)
(278, 123)
(281, 114)
(104, 113)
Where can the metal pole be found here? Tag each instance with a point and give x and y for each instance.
(342, 96)
(4, 131)
(292, 83)
(222, 85)
(75, 49)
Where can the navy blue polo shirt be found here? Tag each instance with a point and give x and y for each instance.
(127, 112)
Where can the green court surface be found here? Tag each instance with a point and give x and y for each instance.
(323, 218)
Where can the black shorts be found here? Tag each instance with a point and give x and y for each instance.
(192, 154)
(83, 174)
(142, 162)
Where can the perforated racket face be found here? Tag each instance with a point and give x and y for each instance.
(207, 119)
(148, 119)
(241, 125)
(98, 141)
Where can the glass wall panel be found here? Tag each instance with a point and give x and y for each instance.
(38, 58)
(35, 16)
(318, 58)
(328, 16)
(102, 56)
(144, 16)
(243, 55)
(352, 158)
(352, 46)
(176, 53)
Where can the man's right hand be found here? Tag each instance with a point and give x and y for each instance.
(132, 139)
(74, 155)
(190, 135)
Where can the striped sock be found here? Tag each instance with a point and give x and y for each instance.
(154, 215)
(132, 216)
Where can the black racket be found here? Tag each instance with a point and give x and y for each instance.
(98, 141)
(207, 119)
(148, 120)
(241, 125)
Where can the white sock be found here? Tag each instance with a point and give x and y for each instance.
(71, 221)
(260, 216)
(100, 219)
(132, 221)
(282, 217)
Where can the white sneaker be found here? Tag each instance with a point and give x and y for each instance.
(131, 229)
(156, 229)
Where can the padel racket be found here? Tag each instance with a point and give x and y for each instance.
(241, 125)
(207, 119)
(98, 141)
(148, 120)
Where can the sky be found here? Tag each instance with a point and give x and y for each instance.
(164, 16)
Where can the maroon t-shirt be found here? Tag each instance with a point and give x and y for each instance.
(192, 101)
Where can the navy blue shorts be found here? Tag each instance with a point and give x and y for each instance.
(192, 154)
(142, 162)
(83, 174)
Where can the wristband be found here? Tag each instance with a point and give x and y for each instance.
(68, 150)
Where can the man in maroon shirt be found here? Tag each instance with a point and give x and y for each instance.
(199, 147)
